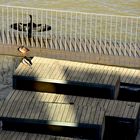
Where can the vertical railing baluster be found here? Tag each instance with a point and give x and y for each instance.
(41, 37)
(105, 35)
(3, 25)
(90, 32)
(12, 34)
(66, 25)
(95, 33)
(81, 34)
(71, 32)
(136, 37)
(36, 33)
(17, 29)
(131, 34)
(60, 41)
(27, 39)
(120, 36)
(7, 26)
(110, 43)
(51, 31)
(75, 38)
(126, 22)
(85, 33)
(56, 46)
(116, 34)
(32, 30)
(100, 41)
(46, 43)
(22, 28)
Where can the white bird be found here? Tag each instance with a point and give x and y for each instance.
(26, 61)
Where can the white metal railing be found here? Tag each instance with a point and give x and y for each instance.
(72, 31)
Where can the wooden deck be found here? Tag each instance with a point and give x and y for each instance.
(12, 135)
(68, 111)
(109, 53)
(67, 77)
(127, 75)
(29, 104)
(42, 116)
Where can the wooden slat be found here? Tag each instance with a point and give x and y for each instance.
(27, 104)
(78, 71)
(12, 135)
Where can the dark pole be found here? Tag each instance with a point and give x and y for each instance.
(30, 27)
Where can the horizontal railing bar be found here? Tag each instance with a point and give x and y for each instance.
(31, 8)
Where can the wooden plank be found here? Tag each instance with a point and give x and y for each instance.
(57, 70)
(135, 77)
(44, 109)
(110, 105)
(72, 117)
(130, 75)
(82, 72)
(50, 70)
(95, 73)
(106, 78)
(125, 113)
(35, 106)
(114, 107)
(112, 74)
(99, 74)
(61, 70)
(122, 109)
(77, 114)
(87, 116)
(16, 109)
(65, 114)
(54, 71)
(118, 109)
(23, 102)
(74, 73)
(52, 111)
(136, 111)
(123, 74)
(8, 104)
(40, 69)
(104, 74)
(57, 112)
(131, 109)
(33, 71)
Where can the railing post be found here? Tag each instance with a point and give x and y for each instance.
(126, 35)
(116, 34)
(3, 26)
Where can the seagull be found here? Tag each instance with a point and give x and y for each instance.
(26, 61)
(23, 49)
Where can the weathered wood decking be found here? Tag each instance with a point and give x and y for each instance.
(68, 111)
(38, 105)
(60, 76)
(13, 135)
(84, 72)
(111, 53)
(39, 116)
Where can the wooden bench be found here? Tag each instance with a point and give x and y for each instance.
(67, 77)
(31, 136)
(120, 117)
(26, 111)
